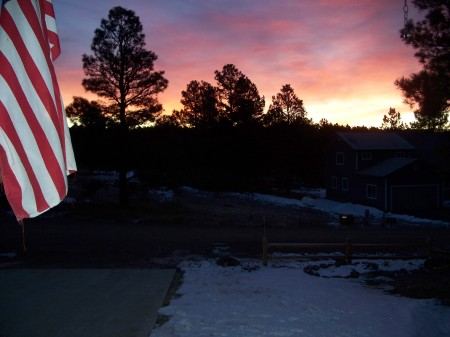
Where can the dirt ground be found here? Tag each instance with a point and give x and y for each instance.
(160, 231)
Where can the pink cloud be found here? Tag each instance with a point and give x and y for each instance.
(329, 51)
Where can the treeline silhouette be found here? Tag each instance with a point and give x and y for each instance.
(246, 158)
(220, 139)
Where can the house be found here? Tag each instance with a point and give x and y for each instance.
(433, 148)
(387, 170)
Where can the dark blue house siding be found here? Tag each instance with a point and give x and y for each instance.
(360, 192)
(417, 186)
(381, 170)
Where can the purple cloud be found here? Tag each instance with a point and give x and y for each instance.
(331, 52)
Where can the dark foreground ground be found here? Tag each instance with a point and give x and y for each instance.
(156, 232)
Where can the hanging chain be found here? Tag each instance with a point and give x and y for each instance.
(405, 17)
(405, 12)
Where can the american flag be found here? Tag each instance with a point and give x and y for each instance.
(35, 148)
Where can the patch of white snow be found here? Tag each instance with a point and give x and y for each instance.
(282, 300)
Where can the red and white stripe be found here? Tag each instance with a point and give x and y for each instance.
(35, 149)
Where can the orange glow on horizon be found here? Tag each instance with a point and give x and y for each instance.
(340, 111)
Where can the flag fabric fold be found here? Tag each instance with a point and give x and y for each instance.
(35, 148)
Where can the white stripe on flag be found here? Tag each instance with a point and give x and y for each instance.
(35, 147)
(27, 84)
(20, 173)
(30, 145)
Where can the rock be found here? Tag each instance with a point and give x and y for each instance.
(227, 261)
(312, 270)
(353, 274)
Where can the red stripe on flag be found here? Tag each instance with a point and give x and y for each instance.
(53, 39)
(34, 177)
(53, 108)
(9, 129)
(47, 9)
(46, 151)
(12, 186)
(40, 86)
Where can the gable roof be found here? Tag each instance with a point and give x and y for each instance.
(375, 141)
(386, 167)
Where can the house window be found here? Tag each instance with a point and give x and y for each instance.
(345, 184)
(339, 158)
(334, 182)
(371, 191)
(366, 155)
(400, 154)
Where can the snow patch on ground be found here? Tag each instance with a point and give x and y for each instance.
(283, 300)
(336, 208)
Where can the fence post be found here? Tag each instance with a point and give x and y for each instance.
(348, 250)
(265, 251)
(429, 247)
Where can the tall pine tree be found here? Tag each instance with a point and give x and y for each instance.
(429, 90)
(122, 71)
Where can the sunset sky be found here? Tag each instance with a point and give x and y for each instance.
(341, 57)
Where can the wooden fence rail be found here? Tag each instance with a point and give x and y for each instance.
(346, 247)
